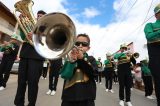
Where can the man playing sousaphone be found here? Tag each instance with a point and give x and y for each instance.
(29, 72)
(10, 50)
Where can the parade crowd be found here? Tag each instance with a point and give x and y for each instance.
(82, 72)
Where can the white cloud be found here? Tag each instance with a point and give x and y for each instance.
(90, 12)
(46, 5)
(126, 28)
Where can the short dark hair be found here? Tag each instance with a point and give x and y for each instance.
(84, 35)
(41, 12)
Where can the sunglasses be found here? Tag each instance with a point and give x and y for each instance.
(124, 48)
(84, 44)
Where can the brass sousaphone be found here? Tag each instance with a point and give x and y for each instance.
(25, 18)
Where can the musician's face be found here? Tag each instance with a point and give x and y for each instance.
(108, 57)
(39, 16)
(123, 49)
(157, 16)
(83, 43)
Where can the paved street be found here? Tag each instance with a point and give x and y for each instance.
(103, 98)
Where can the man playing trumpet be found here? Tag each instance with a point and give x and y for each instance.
(79, 85)
(124, 74)
(10, 50)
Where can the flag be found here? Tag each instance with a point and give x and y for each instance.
(130, 47)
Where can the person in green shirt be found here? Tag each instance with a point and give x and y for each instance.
(147, 79)
(108, 72)
(10, 51)
(79, 87)
(124, 74)
(152, 34)
(100, 69)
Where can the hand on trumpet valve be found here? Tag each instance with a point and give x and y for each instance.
(75, 54)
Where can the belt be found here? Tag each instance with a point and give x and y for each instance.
(123, 61)
(155, 41)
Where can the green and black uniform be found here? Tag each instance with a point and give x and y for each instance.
(100, 69)
(29, 72)
(80, 88)
(147, 78)
(124, 74)
(9, 56)
(152, 33)
(108, 73)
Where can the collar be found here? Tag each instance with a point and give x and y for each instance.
(157, 21)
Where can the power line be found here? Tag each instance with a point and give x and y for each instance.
(126, 14)
(122, 6)
(148, 11)
(118, 10)
(139, 27)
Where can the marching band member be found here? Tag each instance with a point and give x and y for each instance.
(55, 66)
(108, 72)
(10, 50)
(152, 33)
(45, 69)
(79, 86)
(29, 72)
(124, 74)
(100, 69)
(147, 79)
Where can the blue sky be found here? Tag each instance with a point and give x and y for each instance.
(103, 11)
(109, 23)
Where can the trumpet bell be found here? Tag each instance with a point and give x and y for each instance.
(136, 55)
(54, 35)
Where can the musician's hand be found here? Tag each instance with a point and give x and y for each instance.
(30, 35)
(80, 54)
(17, 58)
(6, 43)
(73, 54)
(125, 51)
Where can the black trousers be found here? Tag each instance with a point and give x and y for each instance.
(109, 79)
(99, 77)
(5, 68)
(125, 79)
(148, 85)
(154, 65)
(44, 72)
(78, 103)
(115, 77)
(28, 74)
(53, 79)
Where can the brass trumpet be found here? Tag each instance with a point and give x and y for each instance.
(136, 55)
(54, 35)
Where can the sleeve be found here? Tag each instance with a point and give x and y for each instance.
(150, 33)
(89, 69)
(22, 35)
(118, 55)
(15, 50)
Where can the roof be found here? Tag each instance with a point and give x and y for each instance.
(7, 11)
